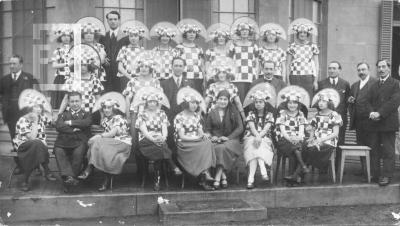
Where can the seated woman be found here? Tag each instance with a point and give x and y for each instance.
(109, 151)
(225, 126)
(290, 125)
(30, 142)
(258, 148)
(153, 124)
(195, 152)
(326, 124)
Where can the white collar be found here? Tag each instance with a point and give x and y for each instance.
(334, 79)
(75, 112)
(114, 31)
(17, 73)
(365, 80)
(384, 79)
(176, 77)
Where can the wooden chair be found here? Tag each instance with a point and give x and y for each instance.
(360, 151)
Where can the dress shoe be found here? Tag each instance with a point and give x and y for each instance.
(216, 185)
(105, 185)
(177, 171)
(71, 181)
(384, 181)
(206, 187)
(84, 175)
(250, 185)
(224, 183)
(50, 177)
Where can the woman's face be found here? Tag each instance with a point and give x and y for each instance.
(222, 76)
(88, 37)
(191, 35)
(134, 39)
(259, 105)
(303, 35)
(108, 110)
(152, 105)
(221, 40)
(293, 105)
(222, 101)
(244, 33)
(193, 106)
(271, 38)
(144, 70)
(37, 109)
(84, 69)
(165, 40)
(322, 104)
(65, 39)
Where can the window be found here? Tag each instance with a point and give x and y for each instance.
(129, 9)
(5, 36)
(226, 11)
(317, 18)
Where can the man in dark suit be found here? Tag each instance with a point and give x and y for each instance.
(171, 87)
(113, 42)
(268, 69)
(383, 103)
(343, 88)
(11, 86)
(73, 127)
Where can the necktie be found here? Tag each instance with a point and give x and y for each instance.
(178, 82)
(113, 36)
(268, 80)
(381, 82)
(14, 77)
(333, 82)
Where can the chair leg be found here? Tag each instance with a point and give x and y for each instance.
(165, 169)
(111, 182)
(237, 176)
(183, 181)
(284, 166)
(342, 160)
(11, 175)
(333, 170)
(367, 160)
(278, 161)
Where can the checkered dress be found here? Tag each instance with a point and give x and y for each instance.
(324, 124)
(193, 57)
(245, 58)
(302, 63)
(127, 55)
(88, 88)
(278, 56)
(166, 56)
(24, 126)
(260, 124)
(60, 55)
(214, 89)
(117, 121)
(154, 123)
(101, 72)
(190, 124)
(292, 124)
(135, 84)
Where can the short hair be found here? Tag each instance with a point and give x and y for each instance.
(115, 13)
(361, 63)
(19, 57)
(336, 62)
(60, 41)
(266, 62)
(74, 93)
(178, 58)
(383, 60)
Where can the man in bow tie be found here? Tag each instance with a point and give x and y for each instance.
(268, 70)
(11, 86)
(73, 127)
(383, 103)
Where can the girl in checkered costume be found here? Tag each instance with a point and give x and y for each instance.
(127, 54)
(219, 34)
(326, 124)
(30, 140)
(223, 72)
(109, 150)
(165, 33)
(89, 33)
(270, 51)
(195, 152)
(191, 53)
(61, 62)
(245, 54)
(303, 61)
(153, 131)
(258, 148)
(290, 125)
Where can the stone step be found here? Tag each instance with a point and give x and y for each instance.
(210, 211)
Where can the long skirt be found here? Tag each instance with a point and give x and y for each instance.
(227, 152)
(318, 157)
(286, 148)
(196, 156)
(264, 151)
(108, 154)
(57, 96)
(305, 81)
(31, 154)
(152, 151)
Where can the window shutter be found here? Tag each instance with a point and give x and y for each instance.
(385, 39)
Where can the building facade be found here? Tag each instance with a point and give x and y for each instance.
(350, 31)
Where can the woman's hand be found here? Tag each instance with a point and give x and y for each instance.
(223, 138)
(257, 141)
(214, 139)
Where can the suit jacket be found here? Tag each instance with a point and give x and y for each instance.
(276, 83)
(66, 137)
(343, 88)
(385, 99)
(10, 103)
(215, 127)
(359, 112)
(171, 90)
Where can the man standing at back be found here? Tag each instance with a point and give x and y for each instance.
(113, 42)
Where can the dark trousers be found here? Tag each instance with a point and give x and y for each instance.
(341, 139)
(383, 147)
(11, 129)
(69, 160)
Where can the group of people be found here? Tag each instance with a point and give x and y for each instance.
(197, 112)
